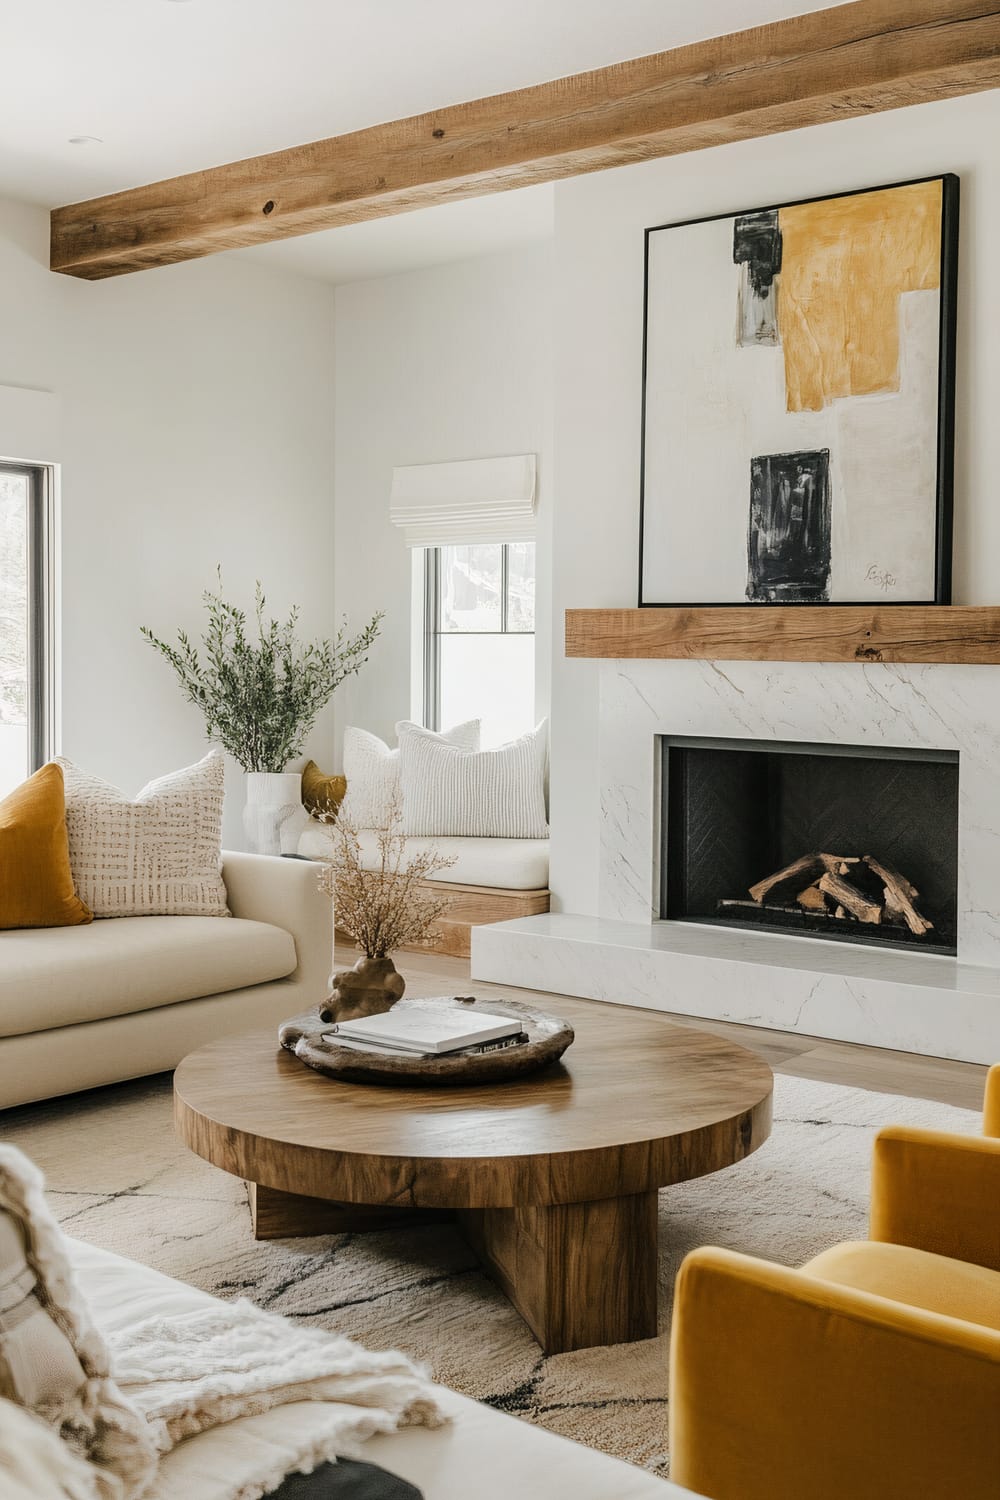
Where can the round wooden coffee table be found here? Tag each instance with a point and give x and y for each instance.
(553, 1177)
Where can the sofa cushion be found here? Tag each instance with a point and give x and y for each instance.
(495, 793)
(372, 772)
(35, 1464)
(36, 884)
(62, 976)
(53, 1360)
(919, 1278)
(508, 864)
(38, 1365)
(159, 854)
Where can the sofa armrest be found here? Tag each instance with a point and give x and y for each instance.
(286, 893)
(940, 1192)
(991, 1103)
(786, 1387)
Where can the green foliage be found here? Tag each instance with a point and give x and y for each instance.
(261, 690)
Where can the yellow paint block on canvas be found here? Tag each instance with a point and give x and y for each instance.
(845, 262)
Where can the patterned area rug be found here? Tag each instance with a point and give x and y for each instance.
(119, 1179)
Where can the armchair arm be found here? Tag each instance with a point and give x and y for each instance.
(786, 1387)
(285, 892)
(991, 1104)
(939, 1192)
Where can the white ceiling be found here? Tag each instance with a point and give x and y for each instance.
(424, 237)
(170, 86)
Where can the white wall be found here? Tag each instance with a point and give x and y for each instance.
(447, 363)
(196, 428)
(598, 283)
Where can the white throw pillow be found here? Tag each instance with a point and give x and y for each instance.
(372, 770)
(491, 794)
(159, 855)
(54, 1361)
(35, 1464)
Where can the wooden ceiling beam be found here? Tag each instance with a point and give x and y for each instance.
(852, 60)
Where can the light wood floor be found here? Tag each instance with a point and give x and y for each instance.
(804, 1056)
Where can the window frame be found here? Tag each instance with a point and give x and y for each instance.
(433, 631)
(40, 596)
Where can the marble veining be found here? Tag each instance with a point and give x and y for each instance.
(880, 997)
(925, 707)
(913, 1001)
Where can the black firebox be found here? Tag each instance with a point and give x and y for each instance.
(869, 834)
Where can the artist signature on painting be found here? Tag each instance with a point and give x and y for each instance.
(882, 577)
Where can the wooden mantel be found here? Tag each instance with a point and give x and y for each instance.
(967, 633)
(805, 70)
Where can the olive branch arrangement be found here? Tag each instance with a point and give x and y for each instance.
(388, 907)
(258, 688)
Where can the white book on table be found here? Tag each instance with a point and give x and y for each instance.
(427, 1029)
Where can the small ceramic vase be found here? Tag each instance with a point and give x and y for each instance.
(370, 988)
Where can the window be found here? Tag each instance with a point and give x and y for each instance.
(24, 633)
(479, 656)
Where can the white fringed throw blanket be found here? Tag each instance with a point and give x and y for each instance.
(190, 1372)
(168, 1378)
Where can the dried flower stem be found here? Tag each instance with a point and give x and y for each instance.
(388, 907)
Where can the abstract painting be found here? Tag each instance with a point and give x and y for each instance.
(798, 402)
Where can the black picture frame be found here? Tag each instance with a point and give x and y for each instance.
(947, 351)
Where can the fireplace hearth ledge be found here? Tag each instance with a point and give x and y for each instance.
(908, 1002)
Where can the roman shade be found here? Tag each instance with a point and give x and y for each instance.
(473, 500)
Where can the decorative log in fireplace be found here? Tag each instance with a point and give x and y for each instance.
(837, 888)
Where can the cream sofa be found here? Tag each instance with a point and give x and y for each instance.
(482, 1453)
(126, 996)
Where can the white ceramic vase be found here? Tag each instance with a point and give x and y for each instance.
(273, 816)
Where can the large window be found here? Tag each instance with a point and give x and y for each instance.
(479, 660)
(24, 678)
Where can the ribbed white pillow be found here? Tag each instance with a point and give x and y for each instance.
(491, 794)
(159, 855)
(372, 770)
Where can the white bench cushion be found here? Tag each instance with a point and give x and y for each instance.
(482, 1453)
(509, 864)
(60, 976)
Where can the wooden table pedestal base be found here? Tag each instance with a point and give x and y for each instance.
(280, 1216)
(579, 1274)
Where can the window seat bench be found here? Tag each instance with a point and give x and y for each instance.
(491, 880)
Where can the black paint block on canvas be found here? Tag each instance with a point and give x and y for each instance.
(757, 250)
(789, 539)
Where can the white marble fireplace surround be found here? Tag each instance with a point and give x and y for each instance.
(906, 1000)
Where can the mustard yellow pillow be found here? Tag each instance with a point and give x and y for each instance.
(36, 884)
(322, 794)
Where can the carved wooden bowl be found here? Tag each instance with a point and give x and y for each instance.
(548, 1038)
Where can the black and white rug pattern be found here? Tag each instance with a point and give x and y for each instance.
(118, 1178)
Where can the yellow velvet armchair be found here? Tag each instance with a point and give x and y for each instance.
(873, 1372)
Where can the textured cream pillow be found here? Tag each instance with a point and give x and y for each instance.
(35, 1464)
(372, 769)
(53, 1360)
(159, 855)
(490, 794)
